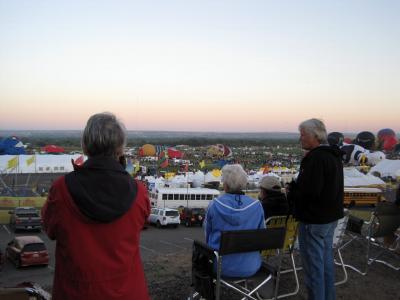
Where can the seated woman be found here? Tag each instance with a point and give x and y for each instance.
(272, 198)
(234, 211)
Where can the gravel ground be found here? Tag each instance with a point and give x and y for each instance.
(170, 278)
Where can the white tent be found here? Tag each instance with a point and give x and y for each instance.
(197, 179)
(353, 178)
(210, 177)
(386, 168)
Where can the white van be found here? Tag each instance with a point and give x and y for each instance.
(164, 217)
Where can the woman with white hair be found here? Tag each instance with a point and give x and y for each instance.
(234, 211)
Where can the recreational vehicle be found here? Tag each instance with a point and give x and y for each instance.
(182, 197)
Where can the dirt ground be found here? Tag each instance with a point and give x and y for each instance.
(170, 278)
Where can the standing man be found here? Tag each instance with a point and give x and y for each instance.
(318, 204)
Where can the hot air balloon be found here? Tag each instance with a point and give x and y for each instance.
(347, 140)
(174, 153)
(335, 138)
(147, 150)
(365, 139)
(387, 139)
(219, 150)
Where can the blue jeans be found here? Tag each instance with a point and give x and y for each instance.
(316, 252)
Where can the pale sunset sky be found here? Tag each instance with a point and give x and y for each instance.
(201, 65)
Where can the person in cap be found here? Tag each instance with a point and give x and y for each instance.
(272, 198)
(95, 214)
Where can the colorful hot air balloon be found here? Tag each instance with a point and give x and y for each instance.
(387, 139)
(219, 150)
(173, 153)
(347, 140)
(147, 150)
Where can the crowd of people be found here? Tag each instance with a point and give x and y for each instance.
(96, 213)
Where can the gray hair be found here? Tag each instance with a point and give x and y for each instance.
(234, 177)
(104, 135)
(315, 127)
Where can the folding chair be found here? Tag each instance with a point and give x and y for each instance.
(290, 223)
(203, 278)
(242, 241)
(384, 221)
(337, 243)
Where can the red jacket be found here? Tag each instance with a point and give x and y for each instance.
(95, 260)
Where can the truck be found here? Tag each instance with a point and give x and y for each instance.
(25, 218)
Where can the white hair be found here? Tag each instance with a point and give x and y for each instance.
(315, 127)
(234, 177)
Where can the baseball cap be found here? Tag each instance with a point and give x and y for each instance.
(270, 183)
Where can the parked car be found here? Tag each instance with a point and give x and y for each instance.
(164, 217)
(27, 251)
(192, 216)
(25, 218)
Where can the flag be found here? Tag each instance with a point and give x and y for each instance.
(30, 160)
(79, 161)
(12, 163)
(202, 164)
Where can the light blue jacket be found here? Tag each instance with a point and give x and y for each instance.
(234, 212)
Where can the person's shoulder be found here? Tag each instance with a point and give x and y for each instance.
(321, 153)
(140, 186)
(58, 183)
(141, 191)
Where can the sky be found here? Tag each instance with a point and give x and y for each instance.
(247, 66)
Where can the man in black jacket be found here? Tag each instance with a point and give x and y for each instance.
(317, 195)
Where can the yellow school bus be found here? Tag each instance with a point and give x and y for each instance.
(361, 196)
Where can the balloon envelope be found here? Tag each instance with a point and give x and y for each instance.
(365, 139)
(387, 139)
(335, 138)
(219, 150)
(173, 153)
(347, 140)
(147, 150)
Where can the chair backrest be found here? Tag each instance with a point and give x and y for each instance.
(291, 225)
(340, 230)
(251, 240)
(386, 219)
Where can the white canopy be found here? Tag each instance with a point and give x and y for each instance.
(353, 177)
(386, 168)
